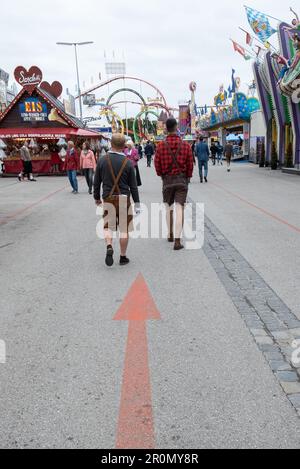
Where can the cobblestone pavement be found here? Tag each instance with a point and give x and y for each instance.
(273, 325)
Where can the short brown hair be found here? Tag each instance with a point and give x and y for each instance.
(171, 124)
(118, 141)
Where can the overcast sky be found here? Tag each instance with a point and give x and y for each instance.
(165, 42)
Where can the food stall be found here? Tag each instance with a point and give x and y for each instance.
(37, 116)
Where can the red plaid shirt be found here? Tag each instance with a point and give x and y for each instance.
(163, 158)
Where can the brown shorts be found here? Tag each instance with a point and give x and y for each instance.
(172, 195)
(118, 214)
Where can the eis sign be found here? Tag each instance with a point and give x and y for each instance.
(33, 110)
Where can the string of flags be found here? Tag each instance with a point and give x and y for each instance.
(262, 29)
(241, 50)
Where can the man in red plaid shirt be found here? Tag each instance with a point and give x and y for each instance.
(174, 163)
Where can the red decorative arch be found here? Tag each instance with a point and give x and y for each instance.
(107, 82)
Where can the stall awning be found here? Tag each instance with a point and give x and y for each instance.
(54, 133)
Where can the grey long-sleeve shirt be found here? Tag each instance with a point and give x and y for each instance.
(25, 154)
(103, 177)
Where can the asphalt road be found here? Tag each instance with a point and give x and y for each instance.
(211, 384)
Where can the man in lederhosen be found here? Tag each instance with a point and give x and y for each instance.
(117, 176)
(174, 163)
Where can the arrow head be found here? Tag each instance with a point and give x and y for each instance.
(138, 304)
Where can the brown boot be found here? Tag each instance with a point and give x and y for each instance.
(178, 246)
(171, 238)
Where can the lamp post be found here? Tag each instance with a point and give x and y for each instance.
(76, 44)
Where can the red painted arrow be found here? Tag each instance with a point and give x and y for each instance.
(136, 426)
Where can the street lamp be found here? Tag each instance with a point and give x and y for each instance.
(76, 44)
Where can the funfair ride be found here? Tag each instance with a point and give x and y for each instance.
(143, 125)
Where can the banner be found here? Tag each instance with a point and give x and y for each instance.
(184, 118)
(33, 110)
(260, 24)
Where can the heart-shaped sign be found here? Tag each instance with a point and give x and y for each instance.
(28, 79)
(55, 89)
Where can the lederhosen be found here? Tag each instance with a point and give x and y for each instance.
(175, 187)
(117, 207)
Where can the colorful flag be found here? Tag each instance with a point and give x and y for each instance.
(233, 83)
(267, 45)
(260, 24)
(260, 51)
(238, 48)
(249, 39)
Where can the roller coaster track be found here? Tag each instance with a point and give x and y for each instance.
(107, 82)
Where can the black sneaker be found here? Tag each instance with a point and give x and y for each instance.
(109, 260)
(124, 260)
(205, 179)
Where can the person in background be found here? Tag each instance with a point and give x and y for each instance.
(228, 155)
(202, 154)
(213, 150)
(132, 154)
(174, 164)
(220, 151)
(72, 165)
(88, 165)
(140, 150)
(55, 160)
(27, 163)
(149, 152)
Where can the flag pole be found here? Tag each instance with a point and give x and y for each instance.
(269, 16)
(258, 40)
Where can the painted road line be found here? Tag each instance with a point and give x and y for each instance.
(13, 216)
(9, 185)
(136, 425)
(262, 210)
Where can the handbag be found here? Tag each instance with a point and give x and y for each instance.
(175, 181)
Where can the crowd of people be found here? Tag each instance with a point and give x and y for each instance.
(118, 176)
(114, 178)
(203, 153)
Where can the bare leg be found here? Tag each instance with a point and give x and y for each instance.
(179, 226)
(170, 223)
(108, 237)
(124, 240)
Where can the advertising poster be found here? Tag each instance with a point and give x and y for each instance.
(184, 118)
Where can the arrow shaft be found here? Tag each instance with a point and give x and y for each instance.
(136, 426)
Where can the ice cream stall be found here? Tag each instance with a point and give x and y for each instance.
(37, 116)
